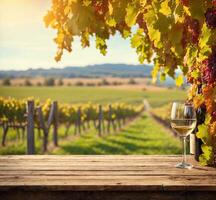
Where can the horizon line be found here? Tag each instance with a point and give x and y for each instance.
(80, 66)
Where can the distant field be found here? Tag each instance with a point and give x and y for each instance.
(94, 94)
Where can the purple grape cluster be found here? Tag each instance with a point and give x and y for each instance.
(214, 114)
(209, 68)
(210, 17)
(191, 31)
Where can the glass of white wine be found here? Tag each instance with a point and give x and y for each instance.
(183, 122)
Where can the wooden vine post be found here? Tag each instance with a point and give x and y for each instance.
(5, 130)
(55, 123)
(79, 120)
(30, 128)
(52, 119)
(43, 127)
(100, 119)
(109, 118)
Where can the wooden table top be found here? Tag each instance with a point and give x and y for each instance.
(105, 173)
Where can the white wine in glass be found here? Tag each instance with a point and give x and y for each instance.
(183, 122)
(183, 126)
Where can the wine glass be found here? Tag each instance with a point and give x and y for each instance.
(183, 122)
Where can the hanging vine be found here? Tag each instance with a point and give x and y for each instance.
(178, 34)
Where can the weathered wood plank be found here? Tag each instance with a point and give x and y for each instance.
(140, 177)
(84, 172)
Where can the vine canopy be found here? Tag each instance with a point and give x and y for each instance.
(174, 34)
(169, 33)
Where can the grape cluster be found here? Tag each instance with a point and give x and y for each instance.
(191, 31)
(210, 17)
(194, 30)
(100, 7)
(185, 2)
(214, 114)
(209, 68)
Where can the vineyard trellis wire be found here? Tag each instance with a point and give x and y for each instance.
(30, 114)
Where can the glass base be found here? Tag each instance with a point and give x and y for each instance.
(184, 166)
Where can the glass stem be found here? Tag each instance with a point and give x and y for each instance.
(183, 150)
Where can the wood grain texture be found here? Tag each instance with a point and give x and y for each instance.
(103, 177)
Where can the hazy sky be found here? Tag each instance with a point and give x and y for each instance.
(26, 43)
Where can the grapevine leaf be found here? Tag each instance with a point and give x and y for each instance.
(87, 2)
(195, 74)
(111, 22)
(155, 36)
(131, 16)
(49, 18)
(179, 13)
(165, 8)
(162, 23)
(206, 157)
(203, 133)
(85, 39)
(101, 45)
(126, 33)
(155, 70)
(196, 9)
(136, 40)
(204, 43)
(175, 36)
(179, 80)
(198, 100)
(205, 36)
(60, 38)
(191, 55)
(58, 55)
(162, 77)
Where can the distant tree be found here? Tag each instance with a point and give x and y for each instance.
(60, 82)
(90, 84)
(116, 83)
(38, 84)
(104, 82)
(49, 82)
(132, 82)
(27, 83)
(79, 83)
(6, 82)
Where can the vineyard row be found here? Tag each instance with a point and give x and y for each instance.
(30, 114)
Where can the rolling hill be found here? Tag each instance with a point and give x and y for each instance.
(101, 70)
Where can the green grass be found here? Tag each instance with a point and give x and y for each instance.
(94, 94)
(143, 136)
(17, 145)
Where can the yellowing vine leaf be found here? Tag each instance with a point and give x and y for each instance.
(132, 13)
(179, 80)
(165, 8)
(206, 158)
